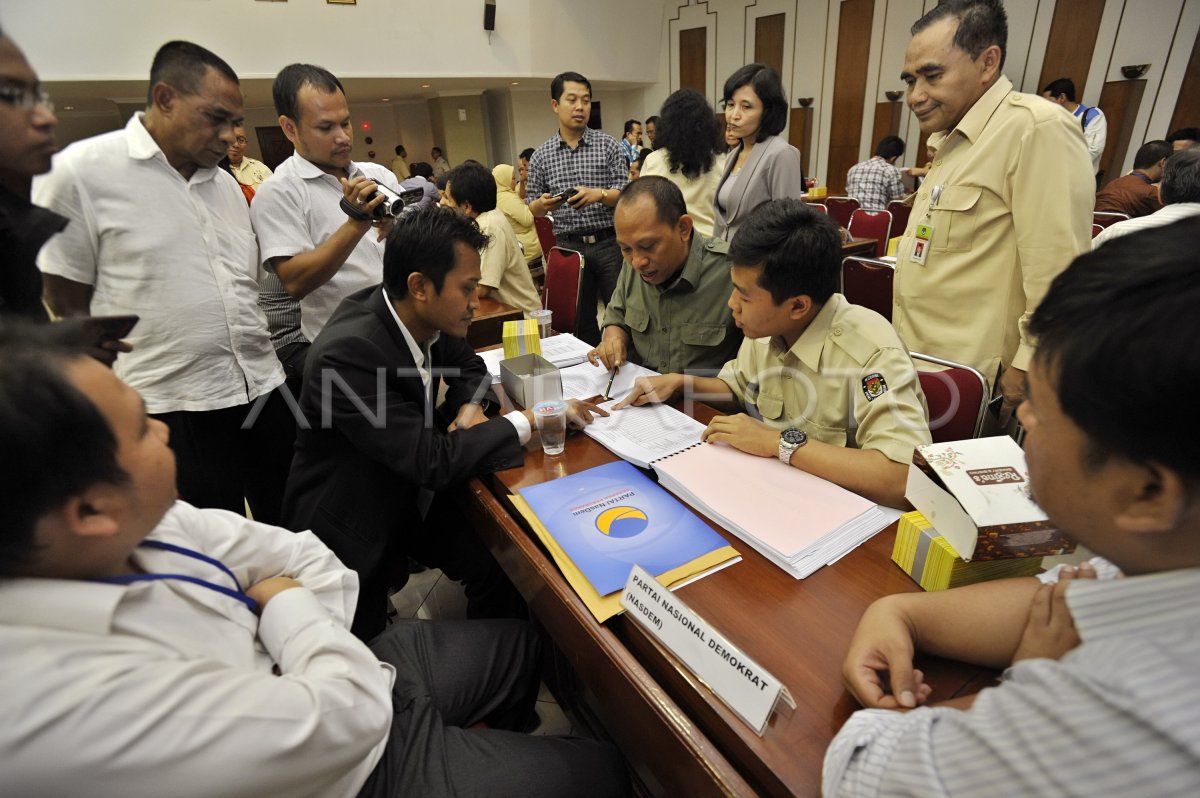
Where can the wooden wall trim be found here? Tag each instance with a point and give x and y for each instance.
(1072, 42)
(849, 90)
(693, 59)
(1121, 100)
(1187, 105)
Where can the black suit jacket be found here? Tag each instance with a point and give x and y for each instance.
(372, 442)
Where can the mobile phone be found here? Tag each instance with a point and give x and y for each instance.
(566, 195)
(101, 329)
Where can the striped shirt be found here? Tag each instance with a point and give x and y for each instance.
(596, 163)
(281, 309)
(1119, 715)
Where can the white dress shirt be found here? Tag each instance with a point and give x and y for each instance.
(420, 354)
(1168, 214)
(1115, 716)
(166, 687)
(179, 253)
(296, 210)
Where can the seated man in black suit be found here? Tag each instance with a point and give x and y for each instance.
(375, 459)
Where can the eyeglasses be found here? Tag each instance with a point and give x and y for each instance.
(26, 97)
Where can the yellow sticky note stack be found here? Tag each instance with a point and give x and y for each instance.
(521, 338)
(818, 192)
(933, 564)
(893, 244)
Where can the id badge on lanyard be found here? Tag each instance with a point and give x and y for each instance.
(924, 231)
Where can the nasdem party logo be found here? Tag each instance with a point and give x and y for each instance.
(622, 522)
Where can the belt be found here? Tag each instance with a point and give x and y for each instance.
(591, 237)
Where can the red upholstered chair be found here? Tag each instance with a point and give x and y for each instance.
(1097, 229)
(957, 398)
(1105, 218)
(871, 224)
(868, 283)
(842, 208)
(544, 226)
(818, 207)
(564, 269)
(900, 213)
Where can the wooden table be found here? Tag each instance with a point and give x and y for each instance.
(487, 326)
(864, 247)
(679, 738)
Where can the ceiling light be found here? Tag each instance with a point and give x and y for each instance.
(425, 85)
(515, 83)
(385, 99)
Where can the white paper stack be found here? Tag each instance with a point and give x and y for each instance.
(562, 350)
(796, 520)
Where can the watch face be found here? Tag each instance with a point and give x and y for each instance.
(793, 437)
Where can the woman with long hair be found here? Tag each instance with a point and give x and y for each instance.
(688, 141)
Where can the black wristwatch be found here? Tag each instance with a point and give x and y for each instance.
(790, 440)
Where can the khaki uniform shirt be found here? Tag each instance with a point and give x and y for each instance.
(847, 381)
(686, 325)
(1013, 207)
(502, 266)
(250, 171)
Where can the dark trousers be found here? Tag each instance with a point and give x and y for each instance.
(219, 464)
(443, 539)
(451, 675)
(601, 267)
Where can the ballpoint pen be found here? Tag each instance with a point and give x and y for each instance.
(611, 377)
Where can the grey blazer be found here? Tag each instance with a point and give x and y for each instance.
(772, 171)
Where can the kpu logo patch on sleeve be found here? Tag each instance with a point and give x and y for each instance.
(874, 386)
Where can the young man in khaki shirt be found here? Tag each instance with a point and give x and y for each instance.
(831, 386)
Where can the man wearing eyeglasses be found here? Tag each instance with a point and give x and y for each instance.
(248, 171)
(26, 143)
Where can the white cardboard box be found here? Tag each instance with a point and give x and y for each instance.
(976, 493)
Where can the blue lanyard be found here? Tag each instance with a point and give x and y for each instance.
(238, 594)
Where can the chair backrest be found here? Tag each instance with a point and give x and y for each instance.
(544, 226)
(868, 283)
(818, 207)
(1097, 229)
(1105, 218)
(841, 208)
(900, 213)
(957, 398)
(871, 224)
(564, 269)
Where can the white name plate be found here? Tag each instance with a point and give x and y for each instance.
(737, 680)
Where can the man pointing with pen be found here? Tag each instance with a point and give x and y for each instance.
(669, 310)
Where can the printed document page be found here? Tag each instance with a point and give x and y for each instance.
(644, 434)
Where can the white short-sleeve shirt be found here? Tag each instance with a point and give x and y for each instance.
(296, 210)
(179, 253)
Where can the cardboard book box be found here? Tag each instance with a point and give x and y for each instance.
(922, 553)
(976, 494)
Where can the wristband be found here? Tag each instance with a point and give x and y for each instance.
(354, 213)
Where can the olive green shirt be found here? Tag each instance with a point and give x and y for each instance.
(685, 325)
(847, 381)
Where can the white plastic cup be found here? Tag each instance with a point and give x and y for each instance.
(542, 317)
(551, 418)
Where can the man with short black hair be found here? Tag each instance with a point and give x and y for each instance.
(651, 129)
(1006, 205)
(631, 140)
(376, 477)
(320, 251)
(1092, 120)
(1184, 138)
(27, 124)
(669, 311)
(1099, 673)
(504, 275)
(589, 165)
(400, 164)
(876, 182)
(440, 165)
(153, 648)
(1180, 191)
(523, 170)
(158, 231)
(1136, 194)
(830, 385)
(248, 171)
